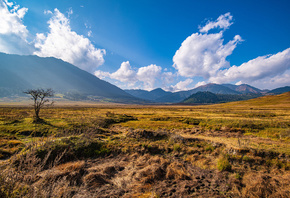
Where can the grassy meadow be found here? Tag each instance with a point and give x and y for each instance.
(238, 149)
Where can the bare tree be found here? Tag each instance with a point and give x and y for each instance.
(39, 97)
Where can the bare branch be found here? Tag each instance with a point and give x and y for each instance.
(39, 97)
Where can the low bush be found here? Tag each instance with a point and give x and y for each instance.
(162, 119)
(223, 163)
(209, 148)
(112, 118)
(177, 147)
(191, 121)
(247, 158)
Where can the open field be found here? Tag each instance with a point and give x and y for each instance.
(239, 149)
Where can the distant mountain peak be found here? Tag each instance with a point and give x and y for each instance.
(157, 89)
(214, 88)
(243, 88)
(148, 95)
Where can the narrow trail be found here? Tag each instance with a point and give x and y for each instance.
(245, 142)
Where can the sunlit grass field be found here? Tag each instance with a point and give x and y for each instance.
(271, 122)
(245, 140)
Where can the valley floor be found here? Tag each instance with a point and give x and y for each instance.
(229, 150)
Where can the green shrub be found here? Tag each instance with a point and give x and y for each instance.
(176, 147)
(114, 118)
(247, 158)
(161, 119)
(192, 121)
(223, 163)
(209, 148)
(238, 176)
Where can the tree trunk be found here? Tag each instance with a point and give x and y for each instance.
(37, 118)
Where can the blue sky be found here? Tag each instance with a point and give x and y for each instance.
(175, 45)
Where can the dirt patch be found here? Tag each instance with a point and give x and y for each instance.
(223, 132)
(140, 133)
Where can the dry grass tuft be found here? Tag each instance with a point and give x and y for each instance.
(71, 166)
(95, 180)
(263, 185)
(177, 171)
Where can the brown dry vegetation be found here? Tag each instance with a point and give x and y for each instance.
(229, 150)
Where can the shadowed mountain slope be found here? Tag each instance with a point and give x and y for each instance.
(280, 90)
(18, 73)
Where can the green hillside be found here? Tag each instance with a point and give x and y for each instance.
(280, 90)
(211, 98)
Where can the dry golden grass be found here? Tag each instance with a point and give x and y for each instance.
(276, 101)
(263, 185)
(238, 149)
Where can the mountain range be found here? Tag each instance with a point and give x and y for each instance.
(217, 93)
(19, 73)
(148, 95)
(176, 97)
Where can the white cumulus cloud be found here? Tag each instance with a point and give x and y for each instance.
(203, 54)
(10, 4)
(167, 78)
(223, 22)
(201, 83)
(181, 86)
(13, 33)
(125, 73)
(261, 69)
(147, 75)
(101, 74)
(11, 19)
(61, 42)
(279, 80)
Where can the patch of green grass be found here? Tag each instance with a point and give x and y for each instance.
(209, 148)
(223, 163)
(246, 158)
(275, 133)
(238, 176)
(177, 147)
(191, 121)
(9, 145)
